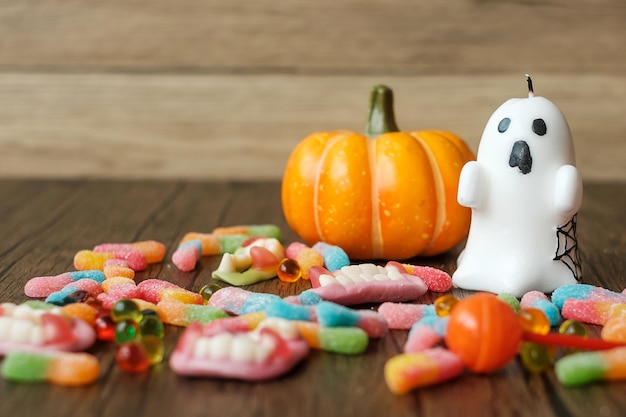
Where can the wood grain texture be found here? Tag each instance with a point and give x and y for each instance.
(44, 223)
(225, 89)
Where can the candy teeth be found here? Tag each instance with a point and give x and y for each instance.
(238, 347)
(20, 331)
(25, 328)
(287, 329)
(366, 283)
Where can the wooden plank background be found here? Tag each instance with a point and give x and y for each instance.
(224, 89)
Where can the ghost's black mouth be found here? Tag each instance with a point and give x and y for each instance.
(520, 157)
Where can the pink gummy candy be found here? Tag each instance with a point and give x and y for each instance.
(268, 354)
(150, 289)
(530, 297)
(186, 256)
(135, 258)
(401, 316)
(421, 337)
(435, 279)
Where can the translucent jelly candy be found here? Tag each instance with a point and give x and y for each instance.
(105, 328)
(573, 327)
(305, 256)
(125, 310)
(132, 357)
(289, 270)
(208, 290)
(445, 304)
(61, 368)
(536, 357)
(533, 320)
(126, 331)
(151, 325)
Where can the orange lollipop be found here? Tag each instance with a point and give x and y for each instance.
(484, 332)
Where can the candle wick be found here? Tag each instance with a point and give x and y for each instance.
(531, 92)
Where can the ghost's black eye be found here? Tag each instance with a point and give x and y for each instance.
(539, 127)
(504, 125)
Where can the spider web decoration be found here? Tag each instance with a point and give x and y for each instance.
(567, 248)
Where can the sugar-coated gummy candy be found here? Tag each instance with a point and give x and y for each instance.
(335, 315)
(511, 300)
(150, 289)
(344, 340)
(40, 287)
(585, 292)
(408, 371)
(181, 294)
(404, 315)
(537, 299)
(181, 314)
(587, 367)
(112, 270)
(187, 255)
(422, 337)
(334, 256)
(82, 311)
(435, 279)
(252, 230)
(592, 312)
(614, 330)
(60, 368)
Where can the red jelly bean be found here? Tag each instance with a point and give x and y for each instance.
(105, 328)
(131, 357)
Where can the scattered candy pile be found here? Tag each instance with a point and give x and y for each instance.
(231, 332)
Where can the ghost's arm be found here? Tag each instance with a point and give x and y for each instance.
(470, 185)
(568, 192)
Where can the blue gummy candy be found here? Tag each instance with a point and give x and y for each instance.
(335, 315)
(550, 310)
(258, 302)
(310, 298)
(285, 310)
(93, 274)
(577, 291)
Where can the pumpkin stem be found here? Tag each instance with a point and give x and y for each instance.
(381, 118)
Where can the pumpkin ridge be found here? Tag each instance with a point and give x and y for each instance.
(377, 233)
(439, 189)
(334, 139)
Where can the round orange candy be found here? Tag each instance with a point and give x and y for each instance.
(484, 331)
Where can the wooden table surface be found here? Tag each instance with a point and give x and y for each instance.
(44, 223)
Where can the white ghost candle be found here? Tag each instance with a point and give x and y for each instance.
(524, 191)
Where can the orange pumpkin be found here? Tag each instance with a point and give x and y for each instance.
(383, 195)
